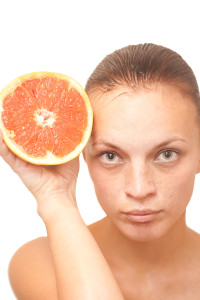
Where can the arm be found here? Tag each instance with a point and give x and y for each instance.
(81, 271)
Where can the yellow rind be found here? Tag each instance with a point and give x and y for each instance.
(49, 159)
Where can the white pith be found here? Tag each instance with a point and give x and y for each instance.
(45, 117)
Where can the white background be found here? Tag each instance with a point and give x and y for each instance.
(71, 37)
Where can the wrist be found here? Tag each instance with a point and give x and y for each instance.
(55, 207)
(62, 218)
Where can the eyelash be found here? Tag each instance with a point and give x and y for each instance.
(169, 150)
(161, 152)
(106, 153)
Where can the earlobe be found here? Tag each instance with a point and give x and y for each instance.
(84, 155)
(198, 170)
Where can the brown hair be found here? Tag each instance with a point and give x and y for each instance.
(141, 65)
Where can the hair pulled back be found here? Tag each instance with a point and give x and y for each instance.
(140, 66)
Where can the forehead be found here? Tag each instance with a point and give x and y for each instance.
(158, 110)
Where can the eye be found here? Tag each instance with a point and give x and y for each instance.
(168, 155)
(109, 157)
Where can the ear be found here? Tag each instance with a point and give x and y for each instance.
(84, 154)
(198, 170)
(198, 166)
(85, 151)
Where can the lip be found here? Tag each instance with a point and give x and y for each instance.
(142, 216)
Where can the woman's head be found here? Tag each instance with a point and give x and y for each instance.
(144, 151)
(141, 66)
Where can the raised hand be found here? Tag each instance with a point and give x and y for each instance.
(48, 184)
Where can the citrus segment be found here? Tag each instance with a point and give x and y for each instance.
(46, 118)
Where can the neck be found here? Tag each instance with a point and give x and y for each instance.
(165, 250)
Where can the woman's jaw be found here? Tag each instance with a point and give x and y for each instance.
(143, 156)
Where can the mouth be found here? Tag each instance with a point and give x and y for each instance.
(142, 216)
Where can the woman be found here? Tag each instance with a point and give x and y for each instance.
(143, 155)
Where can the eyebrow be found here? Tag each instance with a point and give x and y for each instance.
(103, 142)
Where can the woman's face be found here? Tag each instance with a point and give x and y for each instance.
(143, 153)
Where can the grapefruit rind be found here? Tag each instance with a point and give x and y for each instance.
(49, 158)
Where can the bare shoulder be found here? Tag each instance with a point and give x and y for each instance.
(195, 242)
(97, 227)
(31, 271)
(191, 274)
(99, 232)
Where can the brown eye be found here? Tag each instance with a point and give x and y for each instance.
(110, 155)
(110, 158)
(168, 155)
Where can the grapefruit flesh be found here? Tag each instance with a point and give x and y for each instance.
(46, 118)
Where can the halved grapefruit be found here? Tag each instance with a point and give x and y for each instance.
(46, 118)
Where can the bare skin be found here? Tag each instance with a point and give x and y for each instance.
(129, 171)
(158, 259)
(175, 278)
(168, 281)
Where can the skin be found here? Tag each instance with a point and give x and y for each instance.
(136, 176)
(130, 171)
(145, 259)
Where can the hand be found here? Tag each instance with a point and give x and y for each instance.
(52, 186)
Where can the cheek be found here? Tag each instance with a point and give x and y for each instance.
(108, 188)
(178, 189)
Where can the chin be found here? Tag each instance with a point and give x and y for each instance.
(143, 232)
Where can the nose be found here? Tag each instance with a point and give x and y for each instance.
(139, 182)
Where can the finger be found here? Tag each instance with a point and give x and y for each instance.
(69, 168)
(5, 153)
(9, 157)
